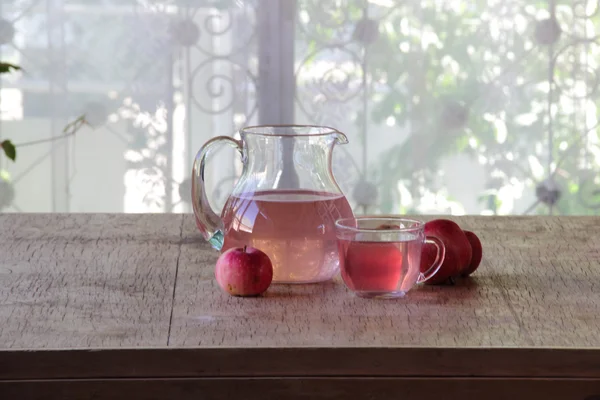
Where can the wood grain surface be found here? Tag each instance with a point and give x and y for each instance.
(136, 295)
(538, 285)
(92, 280)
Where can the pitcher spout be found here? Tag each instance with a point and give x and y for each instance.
(340, 137)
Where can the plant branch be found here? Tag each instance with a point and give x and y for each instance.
(69, 130)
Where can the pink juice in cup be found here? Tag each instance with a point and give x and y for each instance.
(381, 257)
(376, 266)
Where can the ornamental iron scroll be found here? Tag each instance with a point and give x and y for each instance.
(141, 68)
(512, 84)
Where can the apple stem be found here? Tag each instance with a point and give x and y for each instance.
(244, 248)
(451, 280)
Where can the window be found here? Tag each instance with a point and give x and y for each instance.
(480, 107)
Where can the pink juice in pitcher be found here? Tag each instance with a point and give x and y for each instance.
(295, 228)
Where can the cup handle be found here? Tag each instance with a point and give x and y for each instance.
(439, 259)
(207, 220)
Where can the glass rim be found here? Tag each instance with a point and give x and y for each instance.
(323, 130)
(342, 224)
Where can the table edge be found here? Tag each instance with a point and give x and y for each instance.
(299, 362)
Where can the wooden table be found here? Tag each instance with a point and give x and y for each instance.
(96, 306)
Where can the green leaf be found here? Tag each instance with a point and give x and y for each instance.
(9, 149)
(7, 67)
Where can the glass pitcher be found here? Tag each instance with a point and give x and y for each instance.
(285, 202)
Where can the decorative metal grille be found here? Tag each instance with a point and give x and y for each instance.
(450, 106)
(510, 84)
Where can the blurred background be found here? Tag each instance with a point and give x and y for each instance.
(455, 106)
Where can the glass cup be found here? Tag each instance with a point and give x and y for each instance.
(380, 257)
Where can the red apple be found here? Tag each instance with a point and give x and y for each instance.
(477, 250)
(371, 266)
(244, 271)
(458, 250)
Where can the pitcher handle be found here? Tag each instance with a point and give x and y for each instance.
(207, 220)
(439, 259)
